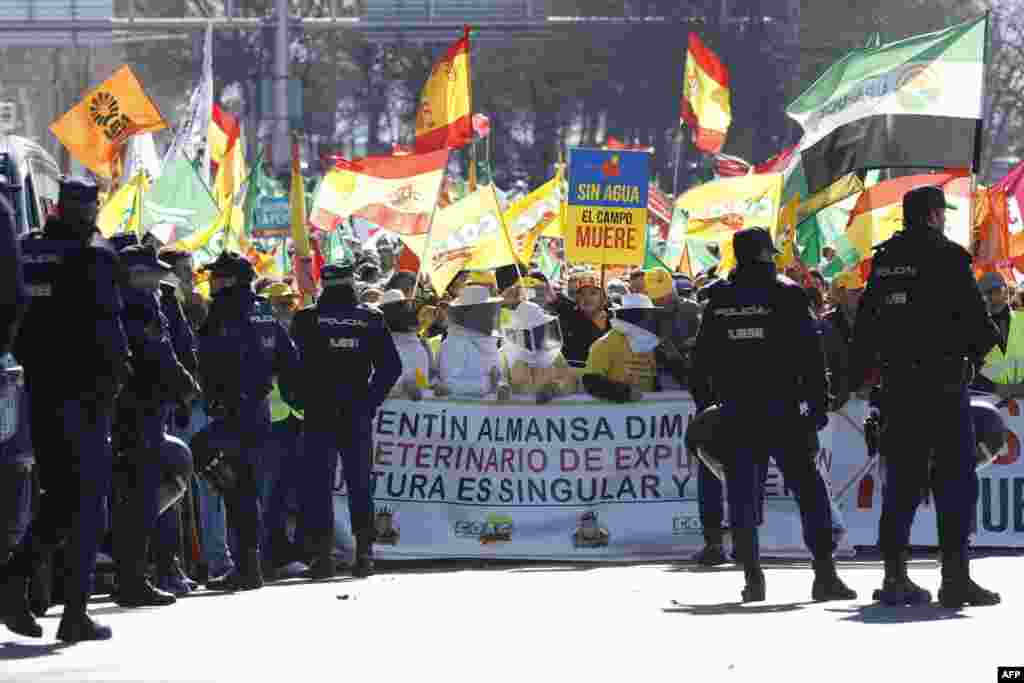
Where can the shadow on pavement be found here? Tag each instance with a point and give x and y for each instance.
(877, 613)
(11, 650)
(733, 608)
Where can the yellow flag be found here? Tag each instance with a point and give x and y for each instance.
(785, 234)
(95, 129)
(201, 238)
(123, 211)
(731, 204)
(531, 217)
(444, 115)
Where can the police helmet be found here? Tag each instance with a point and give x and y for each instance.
(989, 432)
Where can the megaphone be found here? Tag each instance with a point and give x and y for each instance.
(700, 434)
(989, 433)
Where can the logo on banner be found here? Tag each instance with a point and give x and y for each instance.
(687, 525)
(496, 528)
(589, 532)
(918, 87)
(384, 525)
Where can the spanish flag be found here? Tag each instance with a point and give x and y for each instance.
(95, 130)
(443, 118)
(223, 133)
(706, 108)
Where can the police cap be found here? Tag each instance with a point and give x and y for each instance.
(143, 257)
(79, 190)
(231, 264)
(337, 274)
(921, 201)
(748, 244)
(122, 241)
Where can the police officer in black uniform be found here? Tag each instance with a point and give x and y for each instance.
(923, 322)
(242, 347)
(349, 365)
(759, 358)
(72, 274)
(149, 456)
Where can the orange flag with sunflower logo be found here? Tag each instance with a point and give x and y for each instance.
(95, 130)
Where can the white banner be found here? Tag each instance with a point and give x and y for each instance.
(575, 479)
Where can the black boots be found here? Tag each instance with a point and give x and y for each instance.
(958, 589)
(323, 566)
(748, 554)
(897, 588)
(77, 626)
(713, 554)
(827, 584)
(136, 590)
(363, 566)
(246, 576)
(15, 608)
(40, 587)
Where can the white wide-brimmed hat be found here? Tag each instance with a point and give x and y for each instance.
(474, 295)
(527, 316)
(634, 301)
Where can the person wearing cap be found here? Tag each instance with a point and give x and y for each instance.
(349, 366)
(1003, 369)
(72, 275)
(621, 365)
(583, 320)
(532, 354)
(242, 348)
(413, 351)
(923, 322)
(160, 382)
(677, 329)
(469, 361)
(759, 358)
(837, 332)
(282, 457)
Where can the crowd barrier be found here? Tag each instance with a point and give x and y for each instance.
(580, 479)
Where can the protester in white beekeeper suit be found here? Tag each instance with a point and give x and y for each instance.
(533, 354)
(469, 361)
(402, 321)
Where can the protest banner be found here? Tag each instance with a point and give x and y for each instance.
(606, 217)
(577, 479)
(584, 480)
(272, 217)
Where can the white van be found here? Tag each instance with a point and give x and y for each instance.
(30, 166)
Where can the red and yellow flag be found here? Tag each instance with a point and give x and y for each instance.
(223, 132)
(444, 118)
(706, 108)
(95, 129)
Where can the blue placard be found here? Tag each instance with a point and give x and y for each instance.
(608, 177)
(271, 217)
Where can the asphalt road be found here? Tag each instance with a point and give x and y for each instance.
(468, 621)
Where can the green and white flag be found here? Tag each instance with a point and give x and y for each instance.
(915, 103)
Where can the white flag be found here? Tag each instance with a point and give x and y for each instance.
(191, 136)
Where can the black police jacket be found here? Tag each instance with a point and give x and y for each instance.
(13, 295)
(921, 306)
(182, 337)
(349, 360)
(72, 332)
(759, 344)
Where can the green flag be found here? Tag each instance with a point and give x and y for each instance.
(179, 197)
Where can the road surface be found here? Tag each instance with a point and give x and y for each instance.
(467, 621)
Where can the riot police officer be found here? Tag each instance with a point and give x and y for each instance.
(759, 358)
(242, 347)
(73, 277)
(349, 365)
(923, 323)
(144, 407)
(13, 296)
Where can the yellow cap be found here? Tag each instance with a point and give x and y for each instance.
(850, 279)
(658, 283)
(482, 277)
(280, 290)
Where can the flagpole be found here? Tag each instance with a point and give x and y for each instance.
(430, 229)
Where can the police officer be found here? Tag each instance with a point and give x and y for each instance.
(923, 323)
(349, 365)
(13, 295)
(144, 407)
(758, 356)
(73, 277)
(242, 347)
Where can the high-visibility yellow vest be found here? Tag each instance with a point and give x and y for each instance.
(279, 410)
(1008, 368)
